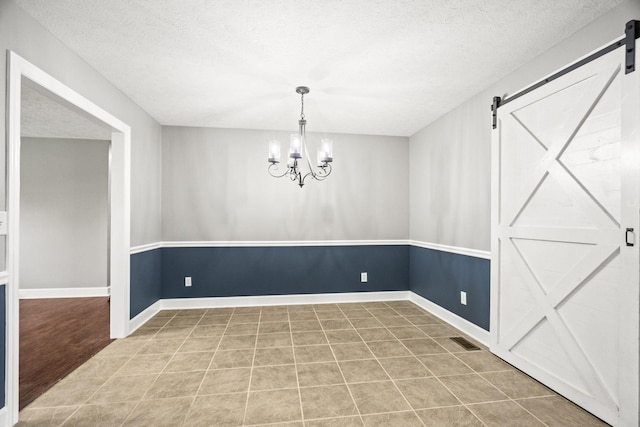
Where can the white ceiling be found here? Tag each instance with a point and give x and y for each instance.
(385, 67)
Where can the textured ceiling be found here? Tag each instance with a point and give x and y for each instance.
(42, 117)
(386, 67)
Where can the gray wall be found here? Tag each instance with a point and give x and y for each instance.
(22, 34)
(450, 165)
(215, 186)
(63, 213)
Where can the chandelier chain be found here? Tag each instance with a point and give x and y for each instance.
(302, 106)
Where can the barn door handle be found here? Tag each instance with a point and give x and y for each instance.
(633, 237)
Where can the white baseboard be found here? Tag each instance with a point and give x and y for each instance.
(474, 331)
(262, 300)
(64, 293)
(4, 417)
(143, 317)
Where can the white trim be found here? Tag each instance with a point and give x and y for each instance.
(85, 292)
(144, 316)
(474, 331)
(265, 300)
(21, 71)
(4, 417)
(4, 277)
(477, 253)
(144, 248)
(280, 243)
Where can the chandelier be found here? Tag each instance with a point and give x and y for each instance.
(297, 147)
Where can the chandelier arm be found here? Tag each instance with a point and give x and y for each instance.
(274, 167)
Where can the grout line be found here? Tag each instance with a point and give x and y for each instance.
(253, 362)
(295, 366)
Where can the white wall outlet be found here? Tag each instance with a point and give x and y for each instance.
(463, 298)
(363, 277)
(187, 281)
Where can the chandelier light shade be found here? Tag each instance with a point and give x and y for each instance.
(298, 151)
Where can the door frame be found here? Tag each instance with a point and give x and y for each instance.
(22, 71)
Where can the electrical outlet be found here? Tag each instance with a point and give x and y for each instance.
(463, 298)
(363, 277)
(187, 281)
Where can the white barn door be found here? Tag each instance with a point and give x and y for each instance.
(565, 299)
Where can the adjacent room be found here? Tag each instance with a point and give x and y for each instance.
(330, 213)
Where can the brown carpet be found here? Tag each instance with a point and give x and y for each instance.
(56, 336)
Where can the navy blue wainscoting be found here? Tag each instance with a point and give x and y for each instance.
(241, 271)
(3, 343)
(440, 276)
(145, 279)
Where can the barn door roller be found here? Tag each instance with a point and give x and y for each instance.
(631, 33)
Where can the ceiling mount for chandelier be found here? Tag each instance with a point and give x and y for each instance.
(298, 147)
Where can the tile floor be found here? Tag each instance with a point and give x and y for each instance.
(371, 364)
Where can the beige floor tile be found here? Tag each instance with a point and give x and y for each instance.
(444, 364)
(352, 351)
(232, 359)
(282, 339)
(201, 331)
(423, 346)
(422, 319)
(144, 332)
(326, 307)
(504, 414)
(220, 381)
(161, 346)
(273, 406)
(388, 348)
(404, 419)
(166, 313)
(104, 367)
(313, 353)
(101, 415)
(44, 417)
(354, 421)
(242, 329)
(192, 312)
(123, 347)
(472, 388)
(327, 402)
(332, 314)
(193, 344)
(440, 330)
(214, 319)
(274, 327)
(382, 311)
(450, 416)
(517, 385)
(404, 367)
(177, 322)
(175, 384)
(376, 334)
(299, 307)
(69, 392)
(175, 332)
(394, 321)
(123, 389)
(357, 314)
(372, 398)
(248, 310)
(359, 371)
(220, 410)
(342, 337)
(157, 322)
(309, 338)
(406, 332)
(273, 377)
(318, 374)
(453, 346)
(426, 393)
(159, 413)
(305, 325)
(183, 362)
(556, 411)
(237, 342)
(302, 316)
(336, 324)
(483, 361)
(366, 323)
(279, 316)
(145, 364)
(244, 318)
(273, 356)
(219, 311)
